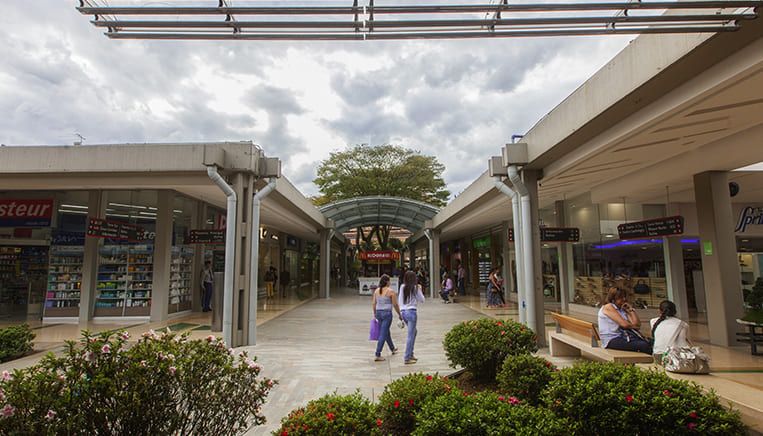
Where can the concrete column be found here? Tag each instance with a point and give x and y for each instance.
(566, 273)
(323, 265)
(198, 221)
(434, 262)
(720, 267)
(160, 287)
(240, 279)
(96, 208)
(674, 271)
(530, 179)
(508, 282)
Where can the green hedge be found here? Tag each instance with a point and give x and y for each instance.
(15, 341)
(525, 376)
(332, 415)
(404, 397)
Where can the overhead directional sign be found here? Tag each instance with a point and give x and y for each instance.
(206, 237)
(667, 226)
(100, 228)
(559, 234)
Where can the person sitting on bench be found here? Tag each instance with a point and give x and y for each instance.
(672, 332)
(447, 287)
(619, 324)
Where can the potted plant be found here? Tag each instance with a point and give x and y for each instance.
(754, 303)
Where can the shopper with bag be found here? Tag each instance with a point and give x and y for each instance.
(410, 297)
(619, 324)
(383, 302)
(672, 347)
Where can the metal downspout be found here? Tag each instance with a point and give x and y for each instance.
(230, 241)
(527, 248)
(254, 266)
(515, 211)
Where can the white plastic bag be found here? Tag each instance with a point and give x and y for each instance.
(686, 360)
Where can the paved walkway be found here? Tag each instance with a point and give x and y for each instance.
(323, 346)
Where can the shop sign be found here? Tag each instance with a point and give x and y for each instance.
(379, 255)
(206, 237)
(100, 228)
(61, 237)
(559, 234)
(668, 226)
(749, 215)
(26, 213)
(481, 242)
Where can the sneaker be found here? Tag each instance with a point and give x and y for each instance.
(379, 359)
(411, 361)
(395, 351)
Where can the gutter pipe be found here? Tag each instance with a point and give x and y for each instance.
(230, 252)
(527, 229)
(254, 266)
(515, 211)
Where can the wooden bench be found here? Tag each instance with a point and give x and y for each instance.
(575, 337)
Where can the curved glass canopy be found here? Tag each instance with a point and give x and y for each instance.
(368, 211)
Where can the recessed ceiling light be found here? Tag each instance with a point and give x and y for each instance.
(745, 240)
(609, 235)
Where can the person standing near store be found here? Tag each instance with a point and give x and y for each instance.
(461, 279)
(384, 300)
(285, 279)
(411, 295)
(269, 281)
(207, 286)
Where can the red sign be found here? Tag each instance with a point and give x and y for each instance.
(379, 255)
(26, 213)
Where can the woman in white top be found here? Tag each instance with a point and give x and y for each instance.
(668, 331)
(408, 299)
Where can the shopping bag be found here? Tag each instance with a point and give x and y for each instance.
(686, 360)
(373, 334)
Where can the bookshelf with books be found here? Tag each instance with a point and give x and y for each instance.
(180, 279)
(124, 281)
(64, 281)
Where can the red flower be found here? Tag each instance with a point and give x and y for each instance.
(284, 433)
(499, 323)
(667, 393)
(501, 398)
(410, 402)
(429, 378)
(691, 425)
(503, 332)
(693, 415)
(466, 394)
(513, 400)
(548, 364)
(378, 422)
(629, 399)
(330, 416)
(397, 404)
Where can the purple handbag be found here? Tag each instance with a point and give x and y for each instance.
(373, 334)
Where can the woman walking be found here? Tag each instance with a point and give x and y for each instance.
(493, 288)
(384, 300)
(410, 297)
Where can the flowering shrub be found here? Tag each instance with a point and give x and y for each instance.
(164, 384)
(611, 399)
(404, 397)
(481, 345)
(525, 376)
(15, 341)
(485, 413)
(332, 415)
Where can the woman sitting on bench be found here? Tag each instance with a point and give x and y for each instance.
(619, 324)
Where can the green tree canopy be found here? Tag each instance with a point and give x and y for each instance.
(389, 170)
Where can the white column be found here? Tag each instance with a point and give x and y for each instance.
(674, 271)
(720, 267)
(535, 306)
(566, 273)
(160, 287)
(324, 264)
(505, 254)
(96, 208)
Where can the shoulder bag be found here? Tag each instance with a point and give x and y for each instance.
(641, 287)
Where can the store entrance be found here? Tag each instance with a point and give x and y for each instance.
(23, 273)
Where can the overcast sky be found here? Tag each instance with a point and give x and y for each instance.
(458, 100)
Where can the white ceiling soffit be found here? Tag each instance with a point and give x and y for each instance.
(722, 101)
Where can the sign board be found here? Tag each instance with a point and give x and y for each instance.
(668, 226)
(367, 285)
(100, 228)
(511, 234)
(559, 234)
(26, 212)
(206, 237)
(380, 256)
(481, 242)
(749, 216)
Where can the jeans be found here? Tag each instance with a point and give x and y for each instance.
(410, 317)
(385, 321)
(461, 286)
(444, 294)
(635, 344)
(206, 300)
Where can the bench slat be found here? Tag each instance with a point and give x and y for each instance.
(575, 325)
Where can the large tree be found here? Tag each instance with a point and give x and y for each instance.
(382, 170)
(389, 170)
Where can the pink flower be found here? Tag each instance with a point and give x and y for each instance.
(667, 393)
(51, 415)
(8, 410)
(691, 425)
(143, 363)
(231, 351)
(514, 400)
(89, 356)
(2, 395)
(7, 376)
(629, 399)
(172, 370)
(106, 349)
(211, 338)
(124, 335)
(503, 332)
(501, 398)
(270, 383)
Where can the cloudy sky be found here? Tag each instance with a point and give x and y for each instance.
(458, 100)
